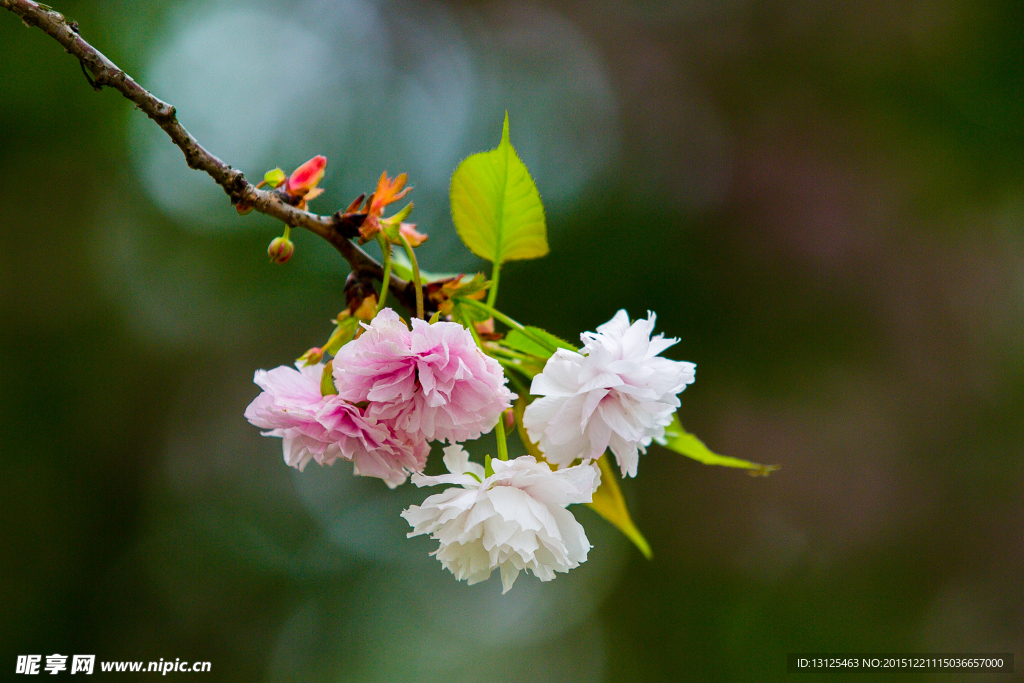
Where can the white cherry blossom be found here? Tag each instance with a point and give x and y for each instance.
(617, 393)
(514, 519)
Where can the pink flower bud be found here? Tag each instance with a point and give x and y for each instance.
(306, 177)
(280, 250)
(312, 357)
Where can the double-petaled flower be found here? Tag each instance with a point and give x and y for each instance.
(513, 520)
(325, 428)
(432, 382)
(617, 393)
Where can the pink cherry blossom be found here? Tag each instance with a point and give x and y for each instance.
(432, 382)
(326, 428)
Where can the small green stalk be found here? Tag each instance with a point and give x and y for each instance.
(492, 295)
(507, 353)
(499, 434)
(385, 248)
(493, 312)
(415, 275)
(476, 335)
(499, 429)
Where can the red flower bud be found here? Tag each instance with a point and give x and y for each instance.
(306, 177)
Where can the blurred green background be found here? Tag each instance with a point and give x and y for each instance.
(824, 201)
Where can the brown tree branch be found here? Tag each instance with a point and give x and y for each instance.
(105, 73)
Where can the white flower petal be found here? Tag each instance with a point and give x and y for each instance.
(513, 520)
(619, 394)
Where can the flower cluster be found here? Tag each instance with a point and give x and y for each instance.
(392, 391)
(380, 390)
(617, 394)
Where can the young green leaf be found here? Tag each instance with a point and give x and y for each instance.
(681, 441)
(496, 207)
(518, 341)
(402, 267)
(609, 503)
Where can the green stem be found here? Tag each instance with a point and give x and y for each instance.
(385, 248)
(476, 335)
(508, 321)
(499, 434)
(501, 351)
(499, 429)
(415, 275)
(493, 293)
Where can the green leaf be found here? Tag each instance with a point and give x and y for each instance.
(327, 387)
(496, 207)
(343, 334)
(400, 216)
(518, 341)
(466, 286)
(466, 314)
(609, 503)
(681, 441)
(391, 231)
(401, 267)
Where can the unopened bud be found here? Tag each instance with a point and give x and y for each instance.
(485, 326)
(510, 419)
(306, 177)
(274, 177)
(242, 208)
(280, 250)
(312, 357)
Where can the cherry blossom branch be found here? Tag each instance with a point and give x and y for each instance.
(100, 72)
